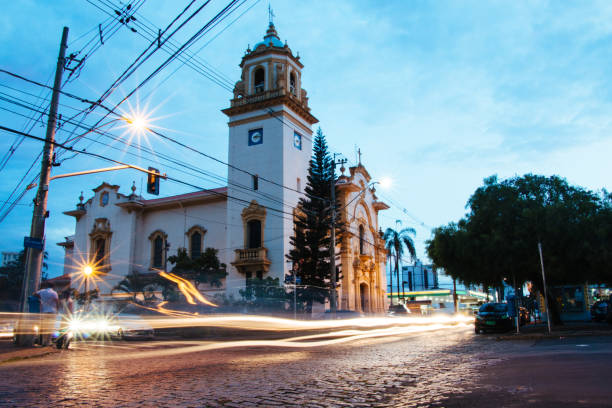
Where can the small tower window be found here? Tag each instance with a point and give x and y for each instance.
(299, 184)
(255, 182)
(292, 83)
(361, 239)
(259, 80)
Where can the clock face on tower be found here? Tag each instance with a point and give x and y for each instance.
(255, 136)
(297, 140)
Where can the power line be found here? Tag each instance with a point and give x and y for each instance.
(99, 156)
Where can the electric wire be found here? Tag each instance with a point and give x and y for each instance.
(276, 211)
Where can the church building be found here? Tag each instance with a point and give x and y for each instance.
(251, 220)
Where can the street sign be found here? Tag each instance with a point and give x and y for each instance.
(289, 280)
(35, 243)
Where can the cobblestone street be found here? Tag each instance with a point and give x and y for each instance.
(444, 368)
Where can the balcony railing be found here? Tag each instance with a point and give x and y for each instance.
(252, 260)
(252, 254)
(258, 97)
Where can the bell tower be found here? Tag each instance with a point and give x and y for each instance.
(270, 145)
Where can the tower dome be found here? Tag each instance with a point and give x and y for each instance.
(271, 75)
(270, 39)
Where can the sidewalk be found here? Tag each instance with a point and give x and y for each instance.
(10, 352)
(570, 329)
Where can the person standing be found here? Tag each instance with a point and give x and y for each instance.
(49, 305)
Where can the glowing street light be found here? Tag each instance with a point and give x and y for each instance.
(88, 270)
(385, 182)
(137, 122)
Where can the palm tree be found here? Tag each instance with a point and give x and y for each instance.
(135, 284)
(395, 243)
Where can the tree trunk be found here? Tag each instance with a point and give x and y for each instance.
(397, 275)
(390, 283)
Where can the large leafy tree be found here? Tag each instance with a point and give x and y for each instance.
(395, 242)
(311, 240)
(498, 238)
(205, 269)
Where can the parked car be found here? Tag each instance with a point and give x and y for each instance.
(398, 310)
(130, 326)
(493, 317)
(599, 310)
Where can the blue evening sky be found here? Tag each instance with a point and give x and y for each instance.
(437, 95)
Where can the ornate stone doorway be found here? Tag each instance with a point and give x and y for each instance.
(364, 296)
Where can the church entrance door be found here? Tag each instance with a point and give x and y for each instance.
(363, 295)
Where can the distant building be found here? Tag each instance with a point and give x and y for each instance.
(8, 257)
(424, 286)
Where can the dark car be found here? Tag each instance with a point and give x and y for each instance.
(398, 310)
(599, 310)
(493, 317)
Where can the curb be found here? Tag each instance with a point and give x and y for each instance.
(26, 353)
(554, 335)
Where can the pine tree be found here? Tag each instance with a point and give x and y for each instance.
(311, 240)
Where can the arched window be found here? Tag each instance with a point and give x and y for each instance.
(158, 252)
(196, 245)
(195, 238)
(361, 239)
(259, 80)
(159, 245)
(254, 234)
(100, 251)
(100, 240)
(292, 84)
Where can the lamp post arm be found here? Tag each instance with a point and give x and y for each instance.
(104, 169)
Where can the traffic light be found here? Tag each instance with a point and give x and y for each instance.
(153, 181)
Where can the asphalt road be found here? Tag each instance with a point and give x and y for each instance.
(450, 367)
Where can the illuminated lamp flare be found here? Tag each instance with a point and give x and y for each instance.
(386, 182)
(138, 123)
(88, 270)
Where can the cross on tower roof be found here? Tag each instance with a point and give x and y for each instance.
(271, 14)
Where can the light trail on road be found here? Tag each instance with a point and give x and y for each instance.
(327, 333)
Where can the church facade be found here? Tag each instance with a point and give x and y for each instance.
(251, 220)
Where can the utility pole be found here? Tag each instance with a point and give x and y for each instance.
(544, 283)
(34, 256)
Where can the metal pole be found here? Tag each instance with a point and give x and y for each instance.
(516, 307)
(86, 292)
(545, 291)
(332, 246)
(294, 294)
(34, 256)
(455, 294)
